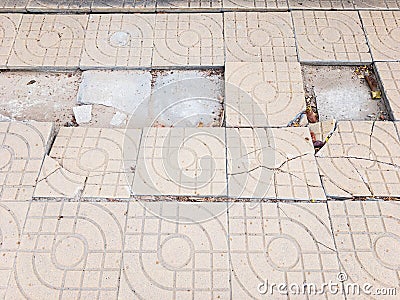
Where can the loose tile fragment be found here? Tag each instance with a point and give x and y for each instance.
(83, 113)
(367, 239)
(272, 163)
(361, 159)
(53, 41)
(70, 250)
(389, 74)
(9, 23)
(188, 5)
(259, 37)
(106, 157)
(22, 150)
(188, 40)
(263, 94)
(12, 217)
(118, 40)
(322, 130)
(181, 161)
(321, 4)
(59, 5)
(56, 182)
(118, 119)
(280, 243)
(330, 36)
(383, 33)
(169, 253)
(255, 4)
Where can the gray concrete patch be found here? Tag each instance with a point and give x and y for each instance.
(341, 94)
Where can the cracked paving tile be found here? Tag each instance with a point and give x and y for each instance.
(170, 252)
(123, 5)
(389, 74)
(107, 157)
(9, 24)
(361, 159)
(280, 243)
(118, 40)
(367, 236)
(259, 37)
(22, 150)
(188, 40)
(181, 161)
(330, 36)
(48, 41)
(255, 4)
(377, 4)
(12, 217)
(13, 6)
(58, 5)
(383, 33)
(263, 94)
(273, 163)
(69, 250)
(321, 4)
(177, 5)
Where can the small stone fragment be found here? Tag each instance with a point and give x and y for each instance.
(118, 119)
(83, 113)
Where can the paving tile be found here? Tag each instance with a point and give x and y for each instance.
(389, 74)
(272, 163)
(70, 250)
(123, 5)
(188, 40)
(9, 24)
(58, 5)
(321, 4)
(367, 238)
(377, 4)
(181, 161)
(255, 4)
(12, 217)
(118, 40)
(280, 243)
(49, 41)
(22, 150)
(361, 159)
(259, 37)
(106, 157)
(13, 6)
(170, 254)
(263, 94)
(188, 5)
(330, 36)
(383, 33)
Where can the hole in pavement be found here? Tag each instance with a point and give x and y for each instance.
(187, 98)
(343, 93)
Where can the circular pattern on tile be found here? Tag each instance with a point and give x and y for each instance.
(176, 251)
(69, 251)
(120, 39)
(189, 38)
(395, 34)
(5, 157)
(49, 39)
(259, 37)
(330, 34)
(92, 159)
(186, 158)
(264, 91)
(362, 151)
(387, 249)
(282, 252)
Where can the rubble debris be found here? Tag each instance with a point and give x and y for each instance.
(118, 119)
(366, 72)
(31, 82)
(83, 113)
(312, 117)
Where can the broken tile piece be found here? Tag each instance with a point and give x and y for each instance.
(322, 130)
(361, 159)
(181, 161)
(330, 36)
(383, 33)
(263, 94)
(389, 74)
(367, 237)
(124, 90)
(280, 243)
(118, 119)
(22, 150)
(56, 182)
(83, 113)
(259, 37)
